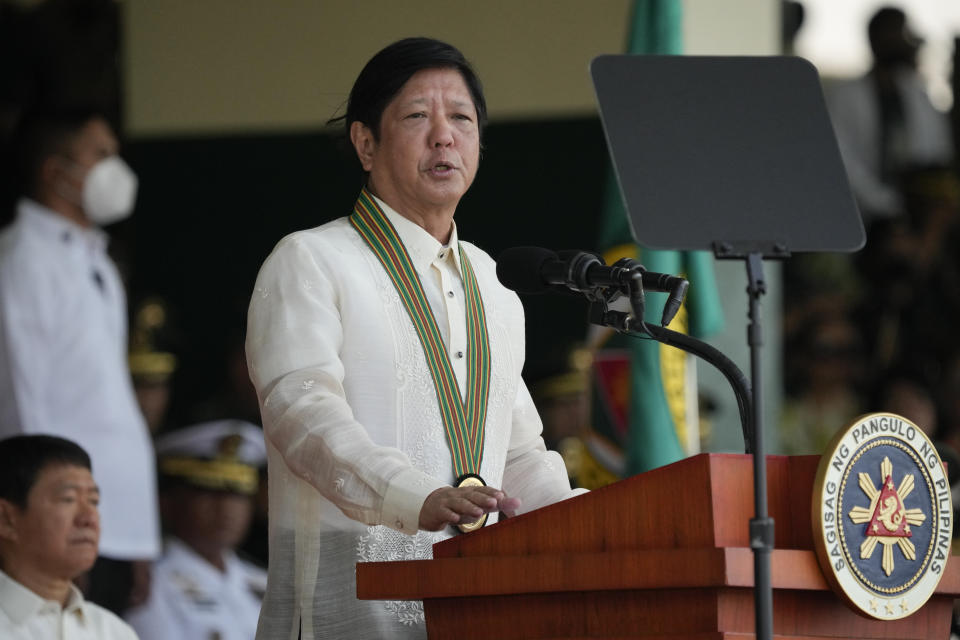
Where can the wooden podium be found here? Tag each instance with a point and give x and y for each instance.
(664, 554)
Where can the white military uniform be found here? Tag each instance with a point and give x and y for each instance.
(190, 599)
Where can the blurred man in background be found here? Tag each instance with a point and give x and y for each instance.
(884, 120)
(200, 588)
(63, 332)
(151, 367)
(898, 153)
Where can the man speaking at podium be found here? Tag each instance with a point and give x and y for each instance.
(387, 358)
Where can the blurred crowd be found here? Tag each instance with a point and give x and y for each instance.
(876, 330)
(84, 415)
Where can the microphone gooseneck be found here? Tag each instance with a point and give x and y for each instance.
(537, 270)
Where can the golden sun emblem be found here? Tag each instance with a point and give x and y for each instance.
(888, 521)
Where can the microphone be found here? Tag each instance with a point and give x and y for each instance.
(538, 270)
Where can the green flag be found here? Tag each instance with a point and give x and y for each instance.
(652, 408)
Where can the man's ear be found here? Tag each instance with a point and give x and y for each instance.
(9, 515)
(362, 138)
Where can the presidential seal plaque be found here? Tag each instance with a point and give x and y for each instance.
(882, 516)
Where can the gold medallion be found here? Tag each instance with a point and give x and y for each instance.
(471, 480)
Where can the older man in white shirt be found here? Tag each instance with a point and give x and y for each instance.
(49, 528)
(387, 360)
(63, 328)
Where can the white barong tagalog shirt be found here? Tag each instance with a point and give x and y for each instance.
(354, 435)
(26, 616)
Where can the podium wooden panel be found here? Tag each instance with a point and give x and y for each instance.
(664, 554)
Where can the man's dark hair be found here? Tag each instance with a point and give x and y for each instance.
(385, 74)
(885, 19)
(22, 458)
(890, 39)
(39, 135)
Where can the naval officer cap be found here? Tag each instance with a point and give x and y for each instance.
(223, 455)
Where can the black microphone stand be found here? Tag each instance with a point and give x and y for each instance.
(600, 314)
(749, 403)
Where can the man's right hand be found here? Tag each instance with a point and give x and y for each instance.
(463, 505)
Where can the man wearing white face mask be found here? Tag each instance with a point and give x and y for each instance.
(63, 333)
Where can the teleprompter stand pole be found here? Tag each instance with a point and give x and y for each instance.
(761, 526)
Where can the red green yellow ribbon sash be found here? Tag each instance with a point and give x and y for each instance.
(463, 424)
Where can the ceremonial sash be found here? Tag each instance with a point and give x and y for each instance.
(463, 424)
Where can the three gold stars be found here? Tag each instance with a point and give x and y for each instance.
(888, 607)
